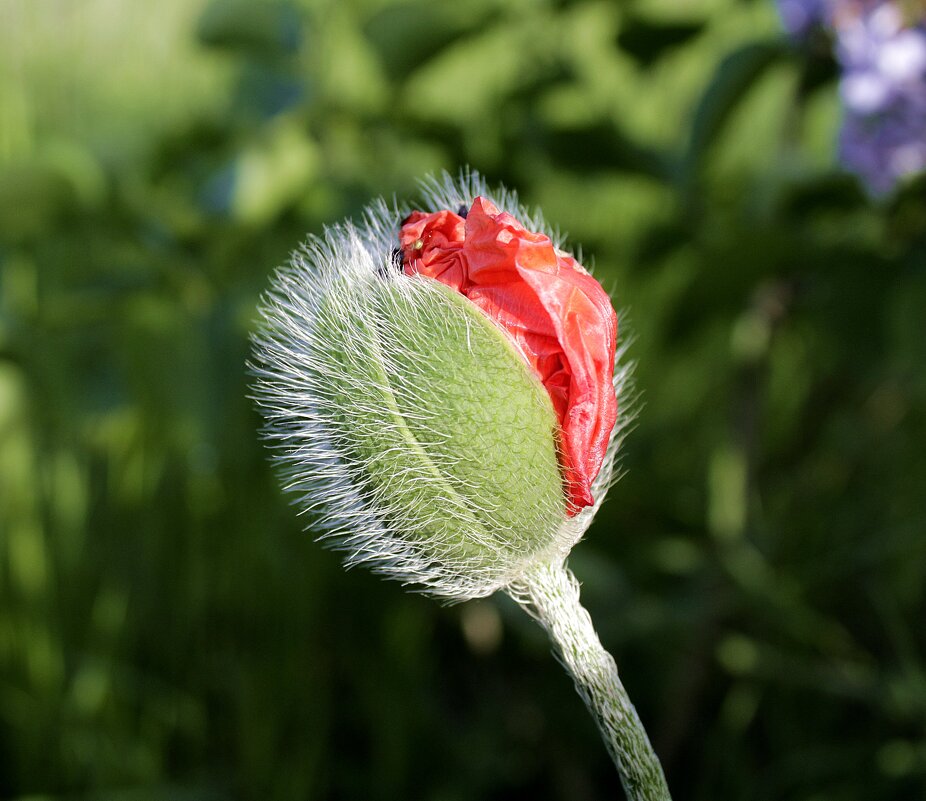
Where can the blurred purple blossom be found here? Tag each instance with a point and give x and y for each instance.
(883, 89)
(882, 56)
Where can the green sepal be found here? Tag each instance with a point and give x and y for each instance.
(449, 432)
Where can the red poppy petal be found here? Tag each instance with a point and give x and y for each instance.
(433, 242)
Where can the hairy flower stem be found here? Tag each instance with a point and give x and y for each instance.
(550, 594)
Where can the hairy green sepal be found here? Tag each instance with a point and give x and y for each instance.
(449, 433)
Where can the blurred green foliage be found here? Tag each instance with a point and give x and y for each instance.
(166, 629)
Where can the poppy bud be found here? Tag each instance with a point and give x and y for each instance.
(414, 422)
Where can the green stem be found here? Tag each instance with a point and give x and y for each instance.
(550, 594)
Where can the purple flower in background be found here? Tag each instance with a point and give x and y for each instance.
(883, 84)
(883, 89)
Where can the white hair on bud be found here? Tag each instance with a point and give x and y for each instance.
(337, 274)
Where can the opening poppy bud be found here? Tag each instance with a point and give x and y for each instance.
(408, 418)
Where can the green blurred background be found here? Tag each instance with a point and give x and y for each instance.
(167, 631)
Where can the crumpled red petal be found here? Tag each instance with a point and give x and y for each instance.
(555, 312)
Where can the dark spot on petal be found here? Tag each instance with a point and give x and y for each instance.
(462, 211)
